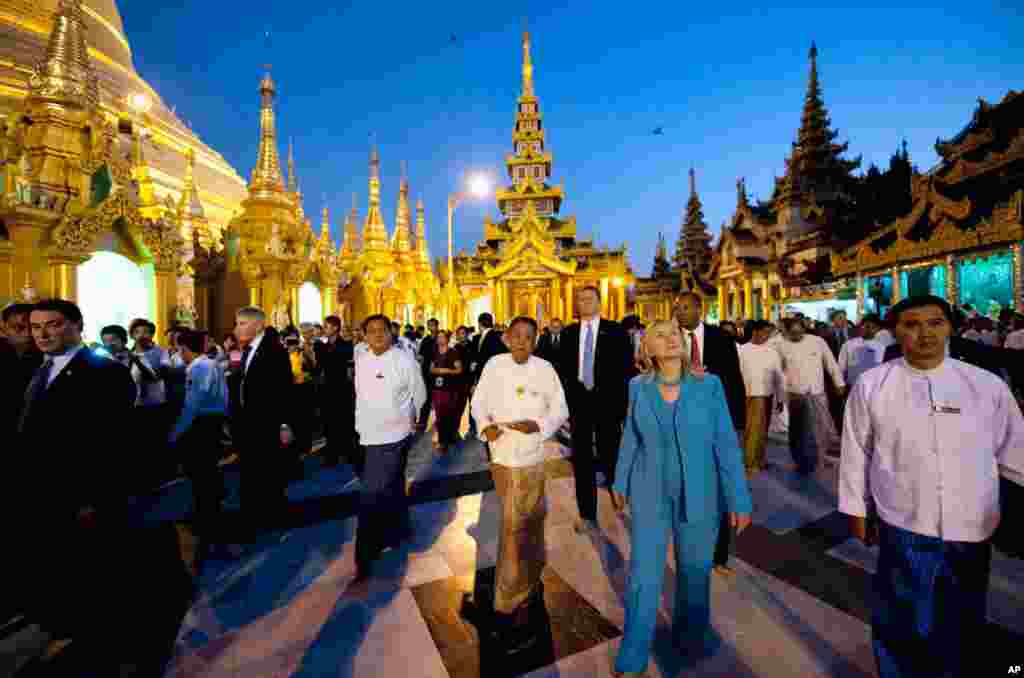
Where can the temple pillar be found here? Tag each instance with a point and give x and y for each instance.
(860, 295)
(556, 299)
(721, 300)
(897, 293)
(1018, 277)
(605, 301)
(61, 279)
(748, 298)
(570, 300)
(28, 260)
(165, 288)
(951, 280)
(620, 301)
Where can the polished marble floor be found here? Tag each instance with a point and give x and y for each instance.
(798, 604)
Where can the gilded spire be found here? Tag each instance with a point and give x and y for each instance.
(402, 240)
(267, 173)
(693, 183)
(422, 250)
(692, 246)
(350, 242)
(375, 235)
(189, 205)
(527, 66)
(742, 201)
(65, 74)
(293, 181)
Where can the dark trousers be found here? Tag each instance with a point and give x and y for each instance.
(931, 598)
(383, 506)
(590, 421)
(447, 414)
(338, 412)
(152, 424)
(723, 541)
(199, 450)
(264, 470)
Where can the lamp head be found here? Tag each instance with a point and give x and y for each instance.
(479, 186)
(140, 103)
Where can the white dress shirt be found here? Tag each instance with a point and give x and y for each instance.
(924, 448)
(253, 347)
(60, 362)
(885, 338)
(698, 333)
(1015, 340)
(389, 394)
(857, 356)
(205, 394)
(762, 371)
(509, 392)
(151, 393)
(805, 362)
(595, 325)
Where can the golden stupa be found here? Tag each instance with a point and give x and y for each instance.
(25, 27)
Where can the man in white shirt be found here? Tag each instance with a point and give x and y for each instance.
(766, 390)
(150, 365)
(860, 354)
(923, 442)
(389, 395)
(805, 359)
(520, 403)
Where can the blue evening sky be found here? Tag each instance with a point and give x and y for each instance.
(725, 81)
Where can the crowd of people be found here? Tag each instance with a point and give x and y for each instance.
(920, 411)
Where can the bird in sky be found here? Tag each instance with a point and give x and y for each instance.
(659, 131)
(453, 39)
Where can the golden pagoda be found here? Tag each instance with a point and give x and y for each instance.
(122, 97)
(73, 193)
(531, 262)
(382, 274)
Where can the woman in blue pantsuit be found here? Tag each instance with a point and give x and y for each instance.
(680, 466)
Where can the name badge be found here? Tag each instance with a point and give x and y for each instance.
(945, 409)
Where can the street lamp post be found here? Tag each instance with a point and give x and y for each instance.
(479, 187)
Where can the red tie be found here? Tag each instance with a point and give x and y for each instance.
(694, 351)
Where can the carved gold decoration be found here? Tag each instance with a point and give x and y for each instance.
(76, 234)
(65, 73)
(164, 242)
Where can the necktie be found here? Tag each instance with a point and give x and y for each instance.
(245, 359)
(555, 342)
(36, 389)
(694, 351)
(588, 358)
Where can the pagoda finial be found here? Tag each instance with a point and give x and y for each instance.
(65, 74)
(293, 181)
(693, 182)
(374, 176)
(741, 193)
(189, 205)
(375, 235)
(421, 233)
(527, 66)
(401, 239)
(267, 173)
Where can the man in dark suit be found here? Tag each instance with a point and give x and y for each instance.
(716, 352)
(550, 344)
(74, 405)
(594, 362)
(838, 333)
(19, 359)
(485, 345)
(337, 396)
(428, 347)
(263, 421)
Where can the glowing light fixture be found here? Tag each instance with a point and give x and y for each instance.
(617, 281)
(140, 103)
(479, 186)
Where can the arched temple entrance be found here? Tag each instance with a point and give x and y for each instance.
(310, 303)
(114, 290)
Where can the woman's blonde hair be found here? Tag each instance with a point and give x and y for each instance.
(656, 325)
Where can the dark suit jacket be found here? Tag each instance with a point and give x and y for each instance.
(722, 359)
(546, 347)
(71, 437)
(332, 361)
(264, 394)
(979, 355)
(482, 352)
(834, 343)
(613, 359)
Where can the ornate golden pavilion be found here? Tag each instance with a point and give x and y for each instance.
(531, 262)
(961, 239)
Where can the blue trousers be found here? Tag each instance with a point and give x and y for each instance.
(383, 506)
(930, 608)
(694, 551)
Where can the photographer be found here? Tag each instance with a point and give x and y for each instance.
(303, 363)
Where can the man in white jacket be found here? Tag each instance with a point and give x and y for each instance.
(519, 403)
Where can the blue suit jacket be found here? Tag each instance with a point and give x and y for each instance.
(711, 460)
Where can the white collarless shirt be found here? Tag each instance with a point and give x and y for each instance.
(924, 448)
(389, 394)
(805, 363)
(857, 356)
(761, 367)
(595, 325)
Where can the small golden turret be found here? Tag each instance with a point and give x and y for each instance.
(266, 176)
(402, 241)
(375, 236)
(65, 74)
